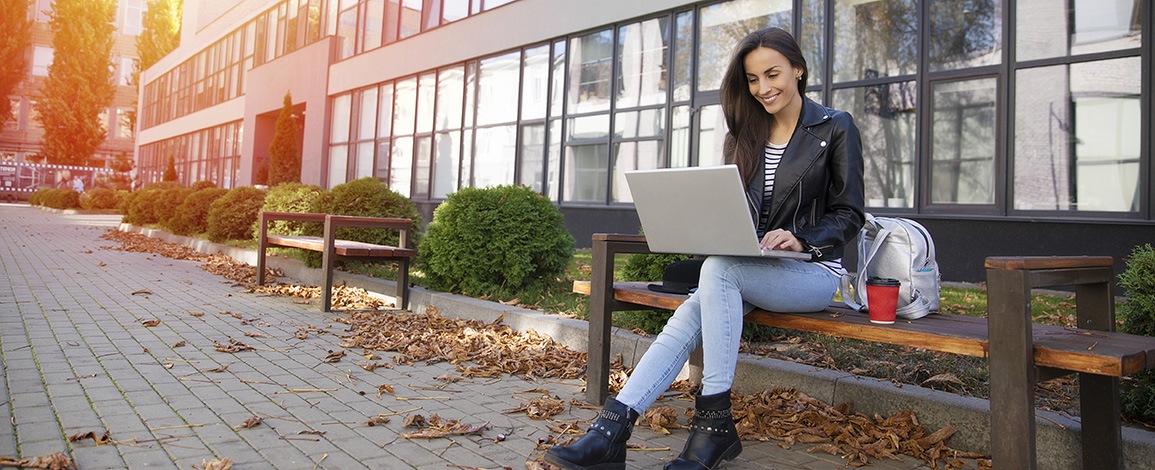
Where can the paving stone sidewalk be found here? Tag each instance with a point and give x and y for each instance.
(78, 358)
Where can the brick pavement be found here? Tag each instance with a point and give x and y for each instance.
(78, 358)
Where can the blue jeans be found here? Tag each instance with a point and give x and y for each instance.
(729, 287)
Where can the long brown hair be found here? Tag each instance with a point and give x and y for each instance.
(748, 121)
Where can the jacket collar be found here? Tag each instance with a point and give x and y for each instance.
(812, 113)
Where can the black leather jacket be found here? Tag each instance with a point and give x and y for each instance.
(818, 188)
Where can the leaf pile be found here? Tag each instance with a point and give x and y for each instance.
(792, 417)
(217, 264)
(540, 408)
(478, 349)
(57, 461)
(437, 427)
(344, 297)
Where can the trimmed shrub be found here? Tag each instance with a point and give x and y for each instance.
(292, 197)
(98, 198)
(60, 199)
(169, 203)
(496, 240)
(231, 217)
(142, 207)
(369, 198)
(193, 214)
(640, 267)
(37, 197)
(202, 184)
(1138, 316)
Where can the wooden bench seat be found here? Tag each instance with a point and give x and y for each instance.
(334, 249)
(1020, 352)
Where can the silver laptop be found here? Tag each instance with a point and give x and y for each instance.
(698, 210)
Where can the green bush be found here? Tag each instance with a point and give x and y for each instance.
(1138, 316)
(59, 199)
(167, 208)
(203, 184)
(485, 241)
(98, 198)
(142, 207)
(231, 217)
(37, 197)
(193, 214)
(368, 197)
(640, 267)
(292, 197)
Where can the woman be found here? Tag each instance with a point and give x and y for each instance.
(802, 166)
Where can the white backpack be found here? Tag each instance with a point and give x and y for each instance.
(896, 248)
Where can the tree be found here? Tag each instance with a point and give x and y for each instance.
(14, 45)
(160, 34)
(79, 85)
(170, 172)
(284, 154)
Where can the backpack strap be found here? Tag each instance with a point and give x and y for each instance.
(859, 279)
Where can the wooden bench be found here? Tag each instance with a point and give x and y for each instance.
(1019, 352)
(333, 249)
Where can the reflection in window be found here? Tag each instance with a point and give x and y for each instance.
(586, 168)
(535, 82)
(410, 18)
(875, 39)
(342, 106)
(1070, 27)
(591, 60)
(41, 60)
(338, 164)
(711, 135)
(811, 39)
(493, 162)
(630, 156)
(401, 166)
(642, 62)
(532, 156)
(886, 120)
(1078, 137)
(454, 10)
(965, 33)
(497, 87)
(963, 140)
(680, 138)
(724, 24)
(682, 69)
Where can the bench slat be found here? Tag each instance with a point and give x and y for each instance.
(1095, 352)
(342, 247)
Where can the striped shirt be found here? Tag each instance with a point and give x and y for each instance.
(773, 156)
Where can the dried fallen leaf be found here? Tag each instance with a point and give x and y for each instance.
(371, 366)
(151, 323)
(57, 461)
(334, 356)
(233, 347)
(253, 334)
(99, 439)
(197, 314)
(141, 292)
(178, 344)
(377, 420)
(217, 464)
(252, 421)
(312, 431)
(414, 421)
(660, 419)
(221, 368)
(386, 388)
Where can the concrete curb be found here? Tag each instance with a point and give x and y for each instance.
(1057, 441)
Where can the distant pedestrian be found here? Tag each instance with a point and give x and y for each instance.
(77, 184)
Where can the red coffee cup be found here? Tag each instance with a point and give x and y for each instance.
(882, 299)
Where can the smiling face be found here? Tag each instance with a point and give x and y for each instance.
(773, 81)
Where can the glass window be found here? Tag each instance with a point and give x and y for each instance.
(1063, 28)
(410, 18)
(133, 17)
(887, 123)
(711, 135)
(642, 62)
(586, 169)
(392, 18)
(1078, 136)
(401, 166)
(12, 121)
(365, 160)
(431, 12)
(497, 87)
(557, 83)
(421, 163)
(338, 164)
(535, 82)
(683, 55)
(532, 156)
(123, 128)
(812, 39)
(385, 112)
(446, 169)
(630, 156)
(590, 71)
(41, 60)
(635, 124)
(426, 95)
(875, 39)
(371, 33)
(494, 157)
(680, 138)
(367, 124)
(43, 10)
(342, 107)
(553, 167)
(383, 149)
(491, 4)
(724, 24)
(454, 10)
(124, 77)
(346, 32)
(965, 33)
(404, 102)
(450, 97)
(963, 140)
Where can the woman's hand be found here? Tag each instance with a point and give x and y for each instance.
(779, 239)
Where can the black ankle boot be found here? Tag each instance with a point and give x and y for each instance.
(713, 437)
(603, 446)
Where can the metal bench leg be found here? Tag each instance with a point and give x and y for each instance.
(1012, 370)
(403, 283)
(261, 247)
(327, 264)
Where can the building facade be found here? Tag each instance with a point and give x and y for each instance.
(21, 137)
(1006, 127)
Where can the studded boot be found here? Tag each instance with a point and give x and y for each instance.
(603, 446)
(713, 437)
